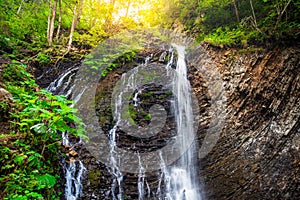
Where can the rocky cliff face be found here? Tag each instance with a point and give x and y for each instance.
(257, 155)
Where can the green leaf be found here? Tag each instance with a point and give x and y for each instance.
(105, 59)
(35, 195)
(46, 180)
(39, 128)
(19, 159)
(8, 166)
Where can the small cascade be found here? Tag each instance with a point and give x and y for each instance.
(63, 84)
(73, 168)
(114, 169)
(142, 182)
(164, 180)
(73, 174)
(135, 98)
(113, 159)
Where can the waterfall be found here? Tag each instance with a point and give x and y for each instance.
(63, 84)
(177, 179)
(181, 179)
(183, 174)
(73, 168)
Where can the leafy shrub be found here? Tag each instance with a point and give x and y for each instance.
(29, 154)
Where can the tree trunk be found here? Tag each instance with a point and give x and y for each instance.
(254, 18)
(49, 21)
(236, 11)
(253, 14)
(280, 13)
(59, 21)
(127, 8)
(72, 27)
(51, 29)
(108, 17)
(79, 12)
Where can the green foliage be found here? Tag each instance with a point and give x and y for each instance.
(5, 43)
(42, 58)
(108, 63)
(129, 113)
(29, 154)
(27, 24)
(126, 57)
(3, 105)
(217, 22)
(231, 37)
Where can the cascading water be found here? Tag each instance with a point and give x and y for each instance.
(114, 169)
(63, 84)
(175, 182)
(73, 168)
(183, 174)
(180, 180)
(73, 173)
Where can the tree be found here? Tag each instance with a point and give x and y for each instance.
(51, 22)
(280, 10)
(127, 7)
(72, 27)
(79, 12)
(59, 20)
(236, 11)
(254, 17)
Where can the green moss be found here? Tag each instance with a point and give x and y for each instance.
(93, 177)
(147, 117)
(130, 113)
(147, 94)
(162, 96)
(169, 92)
(102, 120)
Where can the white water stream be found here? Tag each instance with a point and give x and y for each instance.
(73, 168)
(178, 181)
(183, 176)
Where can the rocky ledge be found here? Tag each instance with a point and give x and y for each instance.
(257, 152)
(257, 155)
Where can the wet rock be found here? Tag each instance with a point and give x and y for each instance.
(257, 153)
(6, 103)
(256, 156)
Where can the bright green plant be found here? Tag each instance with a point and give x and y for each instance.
(29, 155)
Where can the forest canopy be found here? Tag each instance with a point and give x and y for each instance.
(86, 23)
(90, 21)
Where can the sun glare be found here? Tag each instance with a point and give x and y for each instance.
(140, 11)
